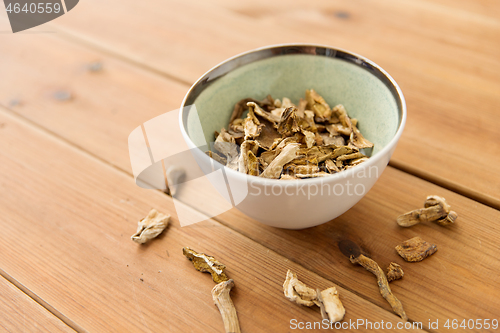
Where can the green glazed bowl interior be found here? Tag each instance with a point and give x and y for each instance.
(365, 96)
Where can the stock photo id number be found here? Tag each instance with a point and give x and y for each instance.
(24, 15)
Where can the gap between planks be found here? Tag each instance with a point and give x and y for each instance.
(42, 303)
(84, 152)
(465, 191)
(397, 164)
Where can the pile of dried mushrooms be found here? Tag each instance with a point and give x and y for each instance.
(279, 140)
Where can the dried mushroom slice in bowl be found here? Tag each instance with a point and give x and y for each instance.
(277, 139)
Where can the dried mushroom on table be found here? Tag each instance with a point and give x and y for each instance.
(205, 263)
(415, 249)
(436, 209)
(220, 293)
(383, 285)
(328, 300)
(280, 140)
(150, 226)
(222, 299)
(394, 272)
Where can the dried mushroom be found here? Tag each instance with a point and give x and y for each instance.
(330, 165)
(269, 116)
(251, 127)
(275, 136)
(150, 226)
(313, 175)
(239, 108)
(222, 299)
(217, 157)
(333, 306)
(220, 293)
(317, 104)
(394, 272)
(205, 263)
(436, 209)
(416, 216)
(296, 291)
(321, 304)
(275, 168)
(226, 144)
(449, 219)
(247, 147)
(434, 200)
(269, 136)
(383, 284)
(358, 140)
(328, 300)
(415, 249)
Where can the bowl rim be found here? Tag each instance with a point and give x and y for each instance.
(335, 52)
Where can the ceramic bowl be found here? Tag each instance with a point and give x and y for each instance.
(341, 77)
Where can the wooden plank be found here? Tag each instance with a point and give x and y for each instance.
(445, 60)
(102, 108)
(69, 217)
(20, 313)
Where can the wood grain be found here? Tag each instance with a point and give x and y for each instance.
(466, 257)
(355, 226)
(444, 57)
(20, 313)
(446, 60)
(103, 107)
(70, 217)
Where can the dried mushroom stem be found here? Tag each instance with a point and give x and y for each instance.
(222, 299)
(383, 284)
(416, 216)
(150, 226)
(208, 264)
(394, 272)
(436, 209)
(415, 249)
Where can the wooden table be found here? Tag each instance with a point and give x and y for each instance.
(68, 202)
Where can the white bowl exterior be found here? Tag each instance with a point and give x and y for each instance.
(275, 202)
(315, 207)
(280, 209)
